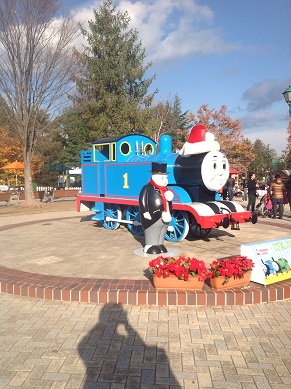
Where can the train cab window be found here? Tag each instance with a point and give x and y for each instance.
(149, 148)
(102, 152)
(125, 148)
(113, 152)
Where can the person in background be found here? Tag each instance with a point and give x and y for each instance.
(288, 189)
(224, 191)
(277, 190)
(252, 191)
(230, 187)
(244, 185)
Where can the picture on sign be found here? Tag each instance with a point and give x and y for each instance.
(272, 260)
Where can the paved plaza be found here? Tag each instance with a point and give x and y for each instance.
(57, 344)
(68, 243)
(50, 344)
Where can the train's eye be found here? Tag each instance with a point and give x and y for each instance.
(214, 165)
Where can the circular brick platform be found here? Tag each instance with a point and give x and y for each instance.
(135, 292)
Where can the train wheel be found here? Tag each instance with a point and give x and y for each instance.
(111, 212)
(178, 227)
(199, 232)
(132, 214)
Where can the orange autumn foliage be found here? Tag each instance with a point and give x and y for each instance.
(228, 134)
(289, 137)
(10, 151)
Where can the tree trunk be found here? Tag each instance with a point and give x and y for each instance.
(28, 190)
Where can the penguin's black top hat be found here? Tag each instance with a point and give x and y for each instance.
(159, 168)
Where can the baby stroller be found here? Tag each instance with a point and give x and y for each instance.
(265, 206)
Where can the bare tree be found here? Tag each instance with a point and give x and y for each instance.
(36, 66)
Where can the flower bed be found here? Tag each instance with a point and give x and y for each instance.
(237, 268)
(183, 268)
(178, 273)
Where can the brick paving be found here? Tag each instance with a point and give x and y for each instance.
(55, 344)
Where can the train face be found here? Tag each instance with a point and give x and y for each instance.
(115, 170)
(207, 169)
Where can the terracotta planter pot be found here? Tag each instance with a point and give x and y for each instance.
(172, 282)
(217, 282)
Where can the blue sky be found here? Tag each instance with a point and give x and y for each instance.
(217, 52)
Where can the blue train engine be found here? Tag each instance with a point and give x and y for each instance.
(116, 168)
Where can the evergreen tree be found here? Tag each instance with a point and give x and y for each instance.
(179, 124)
(286, 158)
(73, 135)
(166, 117)
(111, 84)
(262, 162)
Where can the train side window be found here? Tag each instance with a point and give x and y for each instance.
(113, 152)
(102, 152)
(148, 148)
(125, 148)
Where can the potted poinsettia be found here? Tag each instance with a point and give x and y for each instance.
(178, 273)
(230, 272)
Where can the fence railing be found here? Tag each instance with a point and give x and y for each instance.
(50, 188)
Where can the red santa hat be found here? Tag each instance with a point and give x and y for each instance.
(197, 134)
(200, 141)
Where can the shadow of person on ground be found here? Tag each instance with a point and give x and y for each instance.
(114, 353)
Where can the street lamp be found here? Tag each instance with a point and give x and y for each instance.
(287, 96)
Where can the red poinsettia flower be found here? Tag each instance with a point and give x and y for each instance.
(231, 267)
(182, 267)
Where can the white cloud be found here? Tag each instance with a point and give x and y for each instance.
(267, 127)
(259, 119)
(276, 138)
(264, 93)
(170, 29)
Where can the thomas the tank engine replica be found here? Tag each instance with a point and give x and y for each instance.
(116, 168)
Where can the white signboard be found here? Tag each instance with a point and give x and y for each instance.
(272, 260)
